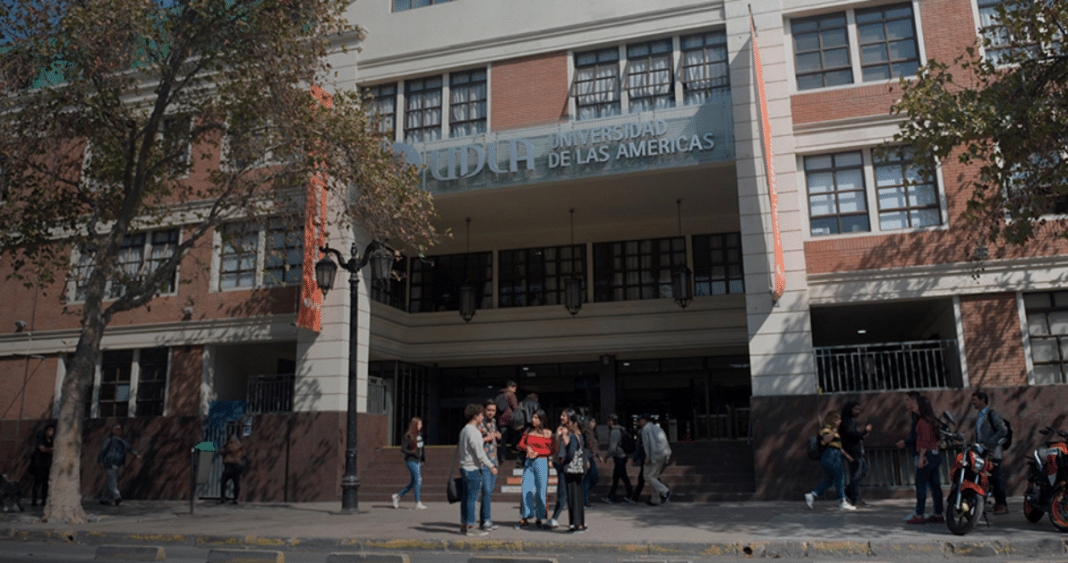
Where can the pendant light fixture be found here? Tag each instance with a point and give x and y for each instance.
(573, 293)
(467, 291)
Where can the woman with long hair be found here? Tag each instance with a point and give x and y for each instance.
(853, 444)
(571, 444)
(414, 456)
(538, 446)
(832, 461)
(923, 443)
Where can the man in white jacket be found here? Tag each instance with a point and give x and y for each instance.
(657, 455)
(473, 461)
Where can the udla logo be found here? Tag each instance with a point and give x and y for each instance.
(469, 160)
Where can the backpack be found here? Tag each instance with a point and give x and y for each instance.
(814, 448)
(626, 442)
(519, 417)
(502, 403)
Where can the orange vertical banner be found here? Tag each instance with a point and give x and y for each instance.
(311, 298)
(779, 284)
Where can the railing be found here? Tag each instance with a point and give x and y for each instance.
(730, 425)
(270, 393)
(894, 467)
(877, 367)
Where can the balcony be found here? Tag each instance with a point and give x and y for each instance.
(270, 393)
(923, 364)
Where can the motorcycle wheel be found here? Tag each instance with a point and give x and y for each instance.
(1031, 512)
(1058, 509)
(971, 510)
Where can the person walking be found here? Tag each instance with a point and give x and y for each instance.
(572, 454)
(111, 459)
(593, 451)
(490, 435)
(832, 462)
(507, 403)
(414, 457)
(537, 445)
(233, 453)
(639, 460)
(473, 461)
(41, 463)
(990, 432)
(923, 444)
(657, 455)
(618, 456)
(527, 407)
(853, 445)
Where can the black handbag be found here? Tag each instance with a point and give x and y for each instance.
(454, 488)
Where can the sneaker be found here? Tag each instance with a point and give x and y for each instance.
(420, 506)
(936, 519)
(474, 531)
(916, 519)
(521, 525)
(607, 500)
(587, 506)
(552, 524)
(809, 499)
(667, 496)
(118, 500)
(581, 530)
(844, 505)
(396, 501)
(1001, 509)
(489, 526)
(629, 500)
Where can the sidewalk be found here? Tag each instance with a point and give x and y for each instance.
(769, 529)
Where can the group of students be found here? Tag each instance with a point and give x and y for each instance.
(842, 440)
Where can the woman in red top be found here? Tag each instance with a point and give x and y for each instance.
(538, 444)
(923, 442)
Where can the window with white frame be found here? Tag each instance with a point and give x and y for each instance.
(284, 260)
(884, 36)
(990, 27)
(405, 5)
(422, 109)
(597, 83)
(139, 255)
(704, 66)
(1034, 184)
(383, 106)
(256, 256)
(837, 202)
(237, 261)
(650, 80)
(467, 102)
(1047, 331)
(907, 194)
(130, 383)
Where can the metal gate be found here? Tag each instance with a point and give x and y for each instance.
(217, 435)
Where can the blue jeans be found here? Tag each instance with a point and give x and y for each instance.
(928, 477)
(590, 481)
(535, 481)
(833, 473)
(417, 480)
(489, 480)
(472, 483)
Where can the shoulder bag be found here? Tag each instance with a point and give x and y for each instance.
(577, 465)
(454, 488)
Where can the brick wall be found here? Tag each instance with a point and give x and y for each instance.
(529, 91)
(992, 340)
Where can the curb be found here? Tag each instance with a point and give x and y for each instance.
(245, 556)
(130, 553)
(367, 558)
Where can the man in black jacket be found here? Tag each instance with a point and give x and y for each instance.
(990, 431)
(853, 444)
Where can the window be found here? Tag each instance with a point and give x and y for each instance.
(597, 83)
(717, 264)
(535, 276)
(394, 291)
(704, 66)
(130, 383)
(990, 27)
(1031, 186)
(237, 264)
(383, 106)
(139, 255)
(131, 257)
(284, 261)
(836, 194)
(163, 245)
(436, 281)
(467, 103)
(907, 195)
(887, 39)
(637, 269)
(821, 51)
(422, 110)
(1047, 330)
(650, 84)
(403, 5)
(175, 132)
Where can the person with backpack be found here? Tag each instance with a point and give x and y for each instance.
(523, 415)
(111, 459)
(991, 431)
(507, 403)
(832, 461)
(618, 451)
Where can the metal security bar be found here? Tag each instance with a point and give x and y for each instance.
(270, 393)
(921, 364)
(894, 467)
(218, 435)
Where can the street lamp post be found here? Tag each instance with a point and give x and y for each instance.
(381, 259)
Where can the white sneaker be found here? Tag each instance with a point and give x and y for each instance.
(552, 523)
(809, 499)
(396, 501)
(844, 505)
(420, 506)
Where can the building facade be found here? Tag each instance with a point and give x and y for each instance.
(614, 150)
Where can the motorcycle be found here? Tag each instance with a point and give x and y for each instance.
(969, 483)
(1047, 481)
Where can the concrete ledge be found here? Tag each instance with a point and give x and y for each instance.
(314, 544)
(367, 558)
(245, 556)
(511, 560)
(259, 541)
(44, 535)
(839, 549)
(219, 541)
(130, 553)
(897, 551)
(1038, 547)
(100, 538)
(975, 549)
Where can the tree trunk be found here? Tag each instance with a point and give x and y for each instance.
(65, 487)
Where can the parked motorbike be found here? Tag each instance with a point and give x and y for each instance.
(1047, 480)
(969, 483)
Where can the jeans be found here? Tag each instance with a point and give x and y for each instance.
(858, 470)
(416, 470)
(619, 472)
(659, 488)
(472, 483)
(111, 489)
(927, 477)
(576, 511)
(833, 474)
(40, 483)
(231, 472)
(590, 481)
(997, 483)
(489, 481)
(535, 480)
